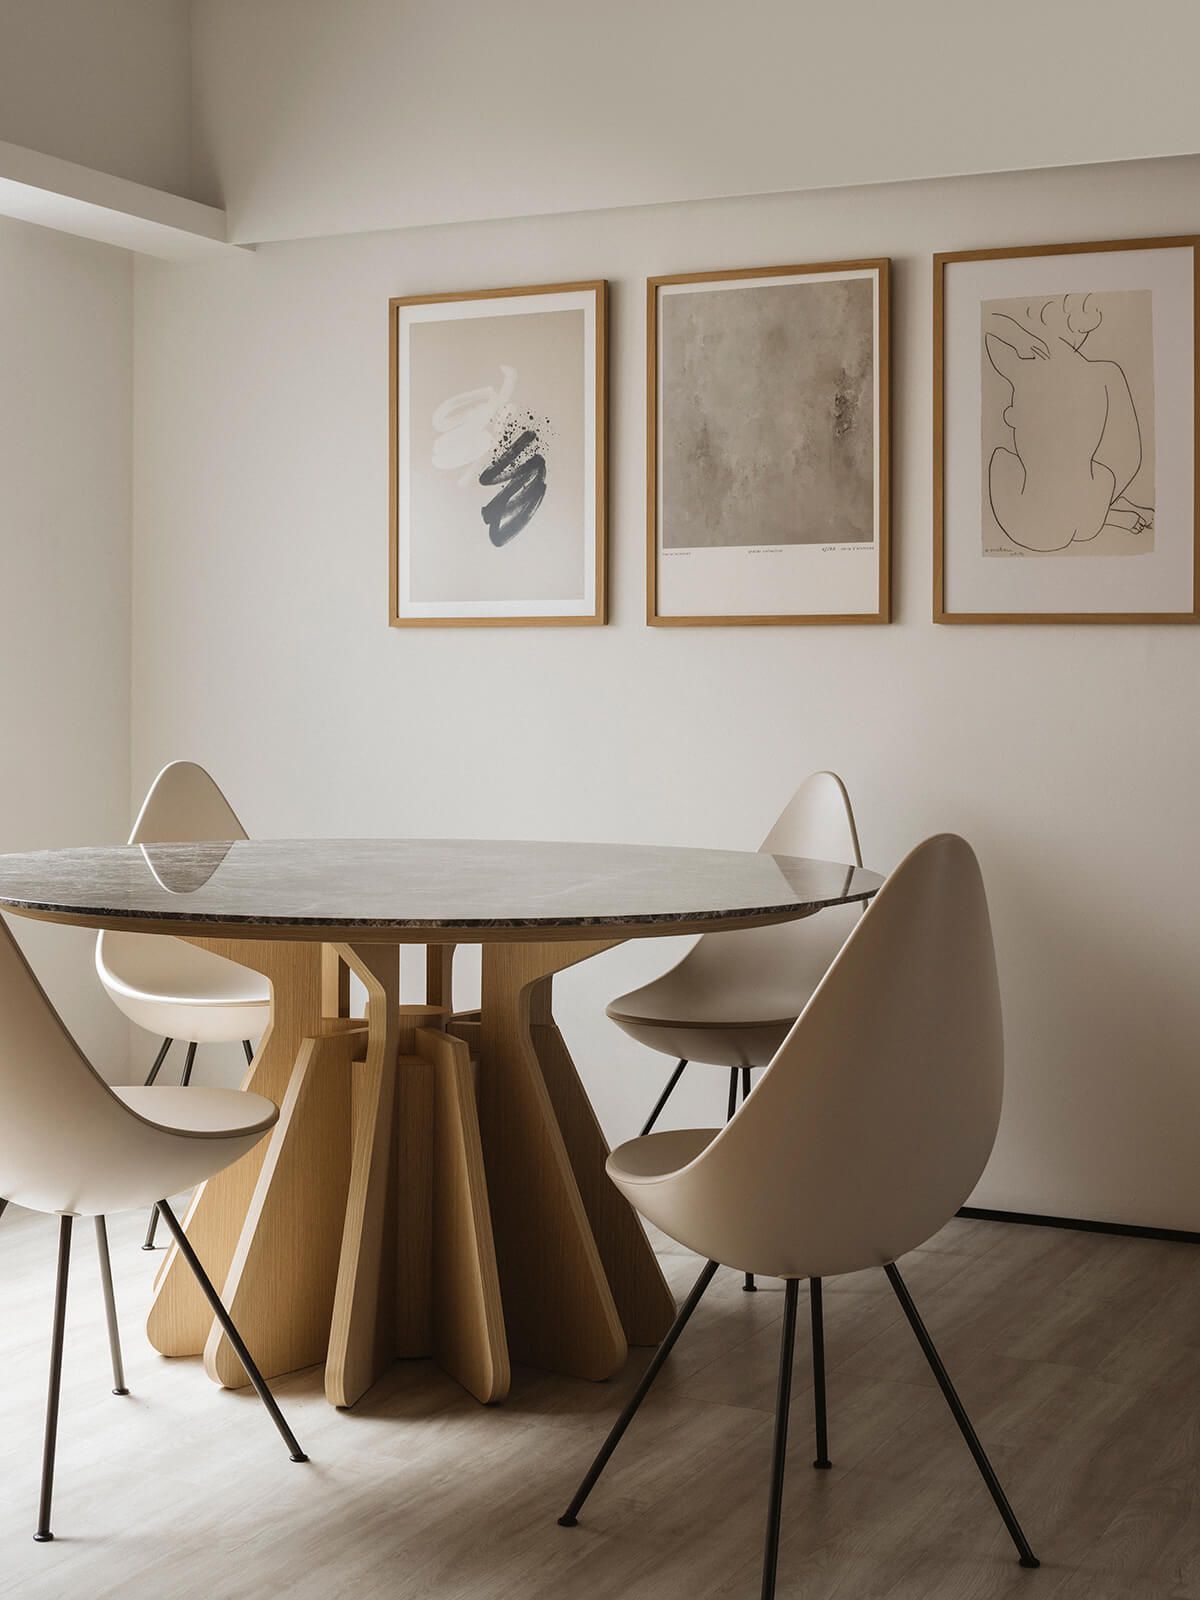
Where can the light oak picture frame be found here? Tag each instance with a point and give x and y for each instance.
(499, 421)
(952, 328)
(872, 598)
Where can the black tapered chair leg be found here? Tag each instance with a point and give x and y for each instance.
(1028, 1559)
(571, 1515)
(188, 1062)
(731, 1105)
(110, 1307)
(658, 1104)
(151, 1230)
(158, 1061)
(783, 1400)
(748, 1284)
(249, 1049)
(50, 1445)
(818, 1358)
(230, 1331)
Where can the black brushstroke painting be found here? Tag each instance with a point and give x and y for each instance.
(519, 465)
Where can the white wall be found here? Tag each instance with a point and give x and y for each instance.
(106, 83)
(65, 421)
(1070, 756)
(317, 118)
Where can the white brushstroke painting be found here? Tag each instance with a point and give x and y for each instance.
(495, 464)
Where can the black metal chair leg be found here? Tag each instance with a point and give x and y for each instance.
(1028, 1559)
(731, 1106)
(158, 1061)
(110, 1308)
(188, 1062)
(571, 1514)
(662, 1099)
(43, 1534)
(151, 1230)
(748, 1284)
(249, 1049)
(783, 1400)
(231, 1333)
(818, 1357)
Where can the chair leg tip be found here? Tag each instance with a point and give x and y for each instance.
(1029, 1561)
(568, 1521)
(43, 1536)
(120, 1391)
(149, 1247)
(298, 1455)
(822, 1465)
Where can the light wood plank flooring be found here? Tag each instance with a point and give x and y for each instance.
(1078, 1356)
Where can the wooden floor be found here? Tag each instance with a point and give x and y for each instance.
(1078, 1356)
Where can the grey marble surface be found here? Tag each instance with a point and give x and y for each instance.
(421, 885)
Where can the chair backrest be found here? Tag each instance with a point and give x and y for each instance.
(817, 821)
(875, 1119)
(67, 1142)
(790, 957)
(59, 1120)
(184, 804)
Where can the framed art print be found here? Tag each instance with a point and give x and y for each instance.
(767, 442)
(1065, 428)
(497, 458)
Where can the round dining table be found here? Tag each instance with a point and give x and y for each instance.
(435, 1184)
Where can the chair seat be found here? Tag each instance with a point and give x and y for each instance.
(182, 991)
(736, 1027)
(222, 1113)
(655, 1155)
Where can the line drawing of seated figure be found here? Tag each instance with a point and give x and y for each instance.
(1076, 438)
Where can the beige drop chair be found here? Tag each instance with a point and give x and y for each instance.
(72, 1146)
(868, 1130)
(732, 998)
(173, 989)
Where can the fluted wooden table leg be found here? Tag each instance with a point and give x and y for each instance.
(643, 1299)
(280, 1285)
(467, 1334)
(558, 1307)
(362, 1337)
(418, 1269)
(180, 1320)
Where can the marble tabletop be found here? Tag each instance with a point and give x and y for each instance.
(421, 890)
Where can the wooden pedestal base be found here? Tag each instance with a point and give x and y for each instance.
(410, 1201)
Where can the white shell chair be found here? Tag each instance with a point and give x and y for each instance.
(732, 998)
(868, 1130)
(70, 1145)
(164, 985)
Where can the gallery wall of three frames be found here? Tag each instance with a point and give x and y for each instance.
(1065, 441)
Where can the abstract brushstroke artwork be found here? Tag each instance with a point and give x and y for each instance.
(1065, 432)
(498, 457)
(768, 400)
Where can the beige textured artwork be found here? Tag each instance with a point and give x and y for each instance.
(768, 428)
(496, 458)
(1068, 425)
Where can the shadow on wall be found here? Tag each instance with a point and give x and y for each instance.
(1096, 1018)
